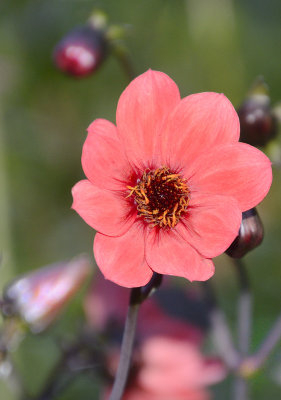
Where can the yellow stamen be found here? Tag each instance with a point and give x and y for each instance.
(170, 177)
(161, 197)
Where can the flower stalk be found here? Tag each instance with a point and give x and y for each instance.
(244, 308)
(244, 325)
(122, 55)
(138, 295)
(126, 349)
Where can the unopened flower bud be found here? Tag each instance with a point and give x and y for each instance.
(81, 51)
(257, 121)
(40, 296)
(250, 235)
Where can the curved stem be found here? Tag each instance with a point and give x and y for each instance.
(244, 308)
(244, 316)
(122, 55)
(138, 295)
(126, 347)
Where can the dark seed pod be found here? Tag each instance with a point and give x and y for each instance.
(81, 51)
(257, 122)
(250, 235)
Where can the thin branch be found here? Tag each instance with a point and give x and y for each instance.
(240, 389)
(14, 380)
(221, 333)
(80, 356)
(272, 339)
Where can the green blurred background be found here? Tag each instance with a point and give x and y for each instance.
(204, 45)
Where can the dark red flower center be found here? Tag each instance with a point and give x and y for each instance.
(161, 197)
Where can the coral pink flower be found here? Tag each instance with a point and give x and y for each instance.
(167, 185)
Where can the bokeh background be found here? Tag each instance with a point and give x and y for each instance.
(214, 45)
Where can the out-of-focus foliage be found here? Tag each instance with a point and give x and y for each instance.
(215, 45)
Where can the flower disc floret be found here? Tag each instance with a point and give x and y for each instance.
(161, 197)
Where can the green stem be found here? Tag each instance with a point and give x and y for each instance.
(122, 56)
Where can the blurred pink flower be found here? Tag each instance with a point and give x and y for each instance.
(107, 303)
(169, 369)
(167, 361)
(137, 393)
(167, 186)
(170, 365)
(40, 295)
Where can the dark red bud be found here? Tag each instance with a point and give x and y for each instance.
(81, 51)
(250, 235)
(257, 122)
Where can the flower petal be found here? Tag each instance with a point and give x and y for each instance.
(121, 259)
(141, 109)
(238, 170)
(167, 253)
(103, 210)
(198, 122)
(103, 158)
(211, 224)
(164, 359)
(137, 393)
(103, 127)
